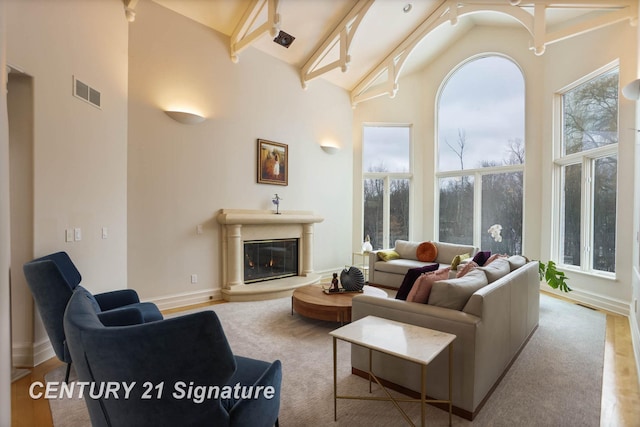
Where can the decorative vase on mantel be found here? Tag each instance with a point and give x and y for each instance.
(276, 201)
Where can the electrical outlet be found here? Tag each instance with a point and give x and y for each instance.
(194, 278)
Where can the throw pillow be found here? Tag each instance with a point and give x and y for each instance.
(422, 288)
(388, 255)
(467, 268)
(457, 259)
(411, 277)
(493, 258)
(481, 257)
(427, 252)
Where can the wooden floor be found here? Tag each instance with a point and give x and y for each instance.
(620, 390)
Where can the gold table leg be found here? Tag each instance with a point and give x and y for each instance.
(335, 381)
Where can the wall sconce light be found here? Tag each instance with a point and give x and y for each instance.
(184, 117)
(632, 90)
(330, 149)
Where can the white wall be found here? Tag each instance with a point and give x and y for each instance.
(181, 175)
(80, 152)
(562, 64)
(5, 248)
(565, 63)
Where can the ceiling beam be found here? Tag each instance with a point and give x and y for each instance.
(342, 36)
(450, 10)
(130, 9)
(243, 35)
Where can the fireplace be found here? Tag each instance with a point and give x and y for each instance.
(241, 226)
(270, 259)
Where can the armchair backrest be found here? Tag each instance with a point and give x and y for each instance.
(166, 360)
(51, 292)
(66, 266)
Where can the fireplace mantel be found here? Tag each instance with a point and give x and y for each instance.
(262, 217)
(240, 225)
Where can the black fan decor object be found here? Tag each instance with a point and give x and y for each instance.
(352, 279)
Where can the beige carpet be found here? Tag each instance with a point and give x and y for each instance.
(557, 380)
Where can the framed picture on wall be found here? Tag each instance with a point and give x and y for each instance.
(273, 163)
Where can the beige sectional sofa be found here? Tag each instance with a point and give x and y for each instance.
(492, 327)
(391, 273)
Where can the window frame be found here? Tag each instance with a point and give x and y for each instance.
(387, 177)
(476, 173)
(587, 161)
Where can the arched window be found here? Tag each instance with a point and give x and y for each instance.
(480, 154)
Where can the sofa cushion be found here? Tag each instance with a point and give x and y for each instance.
(447, 251)
(406, 249)
(516, 261)
(454, 293)
(388, 255)
(411, 277)
(422, 288)
(427, 252)
(398, 266)
(497, 269)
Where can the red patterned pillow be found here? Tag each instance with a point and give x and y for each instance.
(467, 268)
(427, 252)
(422, 288)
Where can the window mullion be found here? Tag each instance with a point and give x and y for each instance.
(477, 210)
(386, 209)
(587, 219)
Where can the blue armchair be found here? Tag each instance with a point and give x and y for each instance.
(53, 278)
(178, 370)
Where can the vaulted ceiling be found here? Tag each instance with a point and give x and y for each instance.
(364, 45)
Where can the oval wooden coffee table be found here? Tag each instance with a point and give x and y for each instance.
(310, 301)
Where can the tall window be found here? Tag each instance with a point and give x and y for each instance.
(587, 168)
(386, 183)
(481, 155)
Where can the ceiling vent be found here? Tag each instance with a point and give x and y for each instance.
(86, 93)
(284, 39)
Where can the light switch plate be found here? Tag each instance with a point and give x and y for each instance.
(77, 234)
(69, 235)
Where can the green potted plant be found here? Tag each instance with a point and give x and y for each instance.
(554, 278)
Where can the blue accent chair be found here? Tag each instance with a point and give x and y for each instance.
(171, 363)
(52, 280)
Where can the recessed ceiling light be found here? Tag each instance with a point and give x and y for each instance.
(284, 39)
(407, 8)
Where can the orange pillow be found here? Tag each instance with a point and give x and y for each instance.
(422, 288)
(427, 252)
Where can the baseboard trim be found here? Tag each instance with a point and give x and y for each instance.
(187, 298)
(22, 354)
(602, 302)
(635, 341)
(42, 351)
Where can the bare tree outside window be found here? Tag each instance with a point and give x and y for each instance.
(481, 155)
(589, 170)
(386, 184)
